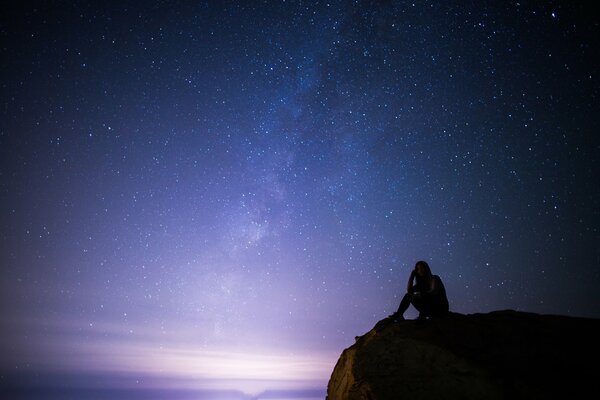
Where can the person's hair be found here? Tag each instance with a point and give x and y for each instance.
(427, 270)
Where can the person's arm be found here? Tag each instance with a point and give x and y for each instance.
(434, 286)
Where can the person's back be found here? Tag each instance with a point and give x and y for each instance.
(441, 305)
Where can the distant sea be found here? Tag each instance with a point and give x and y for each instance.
(57, 386)
(38, 393)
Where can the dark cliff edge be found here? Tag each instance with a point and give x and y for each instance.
(499, 355)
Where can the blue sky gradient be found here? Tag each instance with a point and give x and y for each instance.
(222, 195)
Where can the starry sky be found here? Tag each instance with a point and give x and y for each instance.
(221, 195)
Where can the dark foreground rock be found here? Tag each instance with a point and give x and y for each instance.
(499, 355)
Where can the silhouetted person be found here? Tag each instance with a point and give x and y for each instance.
(425, 292)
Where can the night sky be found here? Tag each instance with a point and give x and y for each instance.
(222, 195)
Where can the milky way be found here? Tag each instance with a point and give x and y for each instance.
(223, 194)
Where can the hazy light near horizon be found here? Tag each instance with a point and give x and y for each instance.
(167, 360)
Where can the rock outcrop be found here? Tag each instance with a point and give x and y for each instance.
(499, 355)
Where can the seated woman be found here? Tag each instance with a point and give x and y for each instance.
(425, 292)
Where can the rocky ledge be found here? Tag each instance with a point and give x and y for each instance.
(498, 355)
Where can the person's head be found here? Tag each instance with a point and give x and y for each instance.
(423, 269)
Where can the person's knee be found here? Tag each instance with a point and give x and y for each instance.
(418, 304)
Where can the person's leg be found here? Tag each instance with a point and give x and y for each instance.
(422, 304)
(403, 306)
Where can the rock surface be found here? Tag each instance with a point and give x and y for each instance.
(499, 355)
